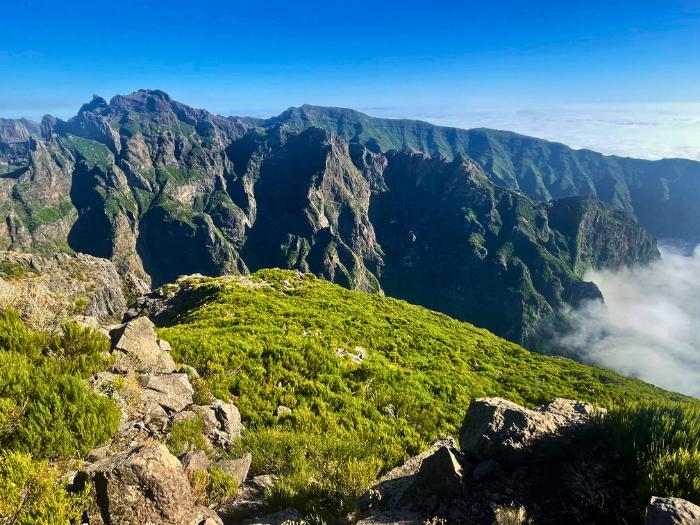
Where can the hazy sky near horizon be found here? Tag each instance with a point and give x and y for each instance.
(615, 76)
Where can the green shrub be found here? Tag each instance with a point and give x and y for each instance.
(214, 488)
(32, 495)
(187, 435)
(46, 408)
(222, 487)
(659, 444)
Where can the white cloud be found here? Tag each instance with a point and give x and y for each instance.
(649, 326)
(650, 131)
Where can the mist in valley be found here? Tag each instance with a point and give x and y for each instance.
(649, 326)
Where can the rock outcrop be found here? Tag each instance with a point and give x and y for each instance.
(145, 484)
(548, 465)
(671, 511)
(497, 429)
(136, 479)
(137, 349)
(64, 286)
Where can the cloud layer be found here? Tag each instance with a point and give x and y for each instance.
(650, 131)
(650, 325)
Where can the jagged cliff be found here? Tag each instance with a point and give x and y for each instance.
(162, 190)
(661, 194)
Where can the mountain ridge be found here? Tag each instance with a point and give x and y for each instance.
(163, 189)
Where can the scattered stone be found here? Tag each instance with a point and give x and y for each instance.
(238, 467)
(671, 511)
(143, 485)
(136, 348)
(357, 356)
(282, 410)
(194, 461)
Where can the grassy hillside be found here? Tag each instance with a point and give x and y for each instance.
(274, 339)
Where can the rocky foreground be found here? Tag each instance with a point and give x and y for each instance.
(508, 465)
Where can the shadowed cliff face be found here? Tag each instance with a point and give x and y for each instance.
(661, 194)
(162, 190)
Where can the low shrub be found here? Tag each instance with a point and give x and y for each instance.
(659, 444)
(33, 495)
(187, 435)
(46, 408)
(214, 488)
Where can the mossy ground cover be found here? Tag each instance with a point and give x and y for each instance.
(275, 342)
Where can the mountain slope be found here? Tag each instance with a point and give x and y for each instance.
(163, 190)
(365, 380)
(662, 194)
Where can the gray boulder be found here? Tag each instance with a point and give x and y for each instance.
(238, 467)
(229, 418)
(499, 429)
(671, 511)
(195, 460)
(440, 474)
(137, 349)
(171, 391)
(143, 485)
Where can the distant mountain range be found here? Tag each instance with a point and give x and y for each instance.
(488, 226)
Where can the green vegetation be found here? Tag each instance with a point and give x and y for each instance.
(214, 487)
(45, 407)
(660, 447)
(187, 435)
(32, 495)
(47, 412)
(95, 154)
(272, 340)
(10, 270)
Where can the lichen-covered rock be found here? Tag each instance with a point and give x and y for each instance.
(135, 346)
(195, 460)
(238, 467)
(499, 429)
(671, 511)
(171, 391)
(143, 485)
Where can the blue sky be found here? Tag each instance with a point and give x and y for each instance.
(399, 58)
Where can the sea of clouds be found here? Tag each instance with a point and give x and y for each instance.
(649, 326)
(649, 131)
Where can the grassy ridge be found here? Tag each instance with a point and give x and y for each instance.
(273, 340)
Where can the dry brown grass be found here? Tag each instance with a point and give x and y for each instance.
(38, 307)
